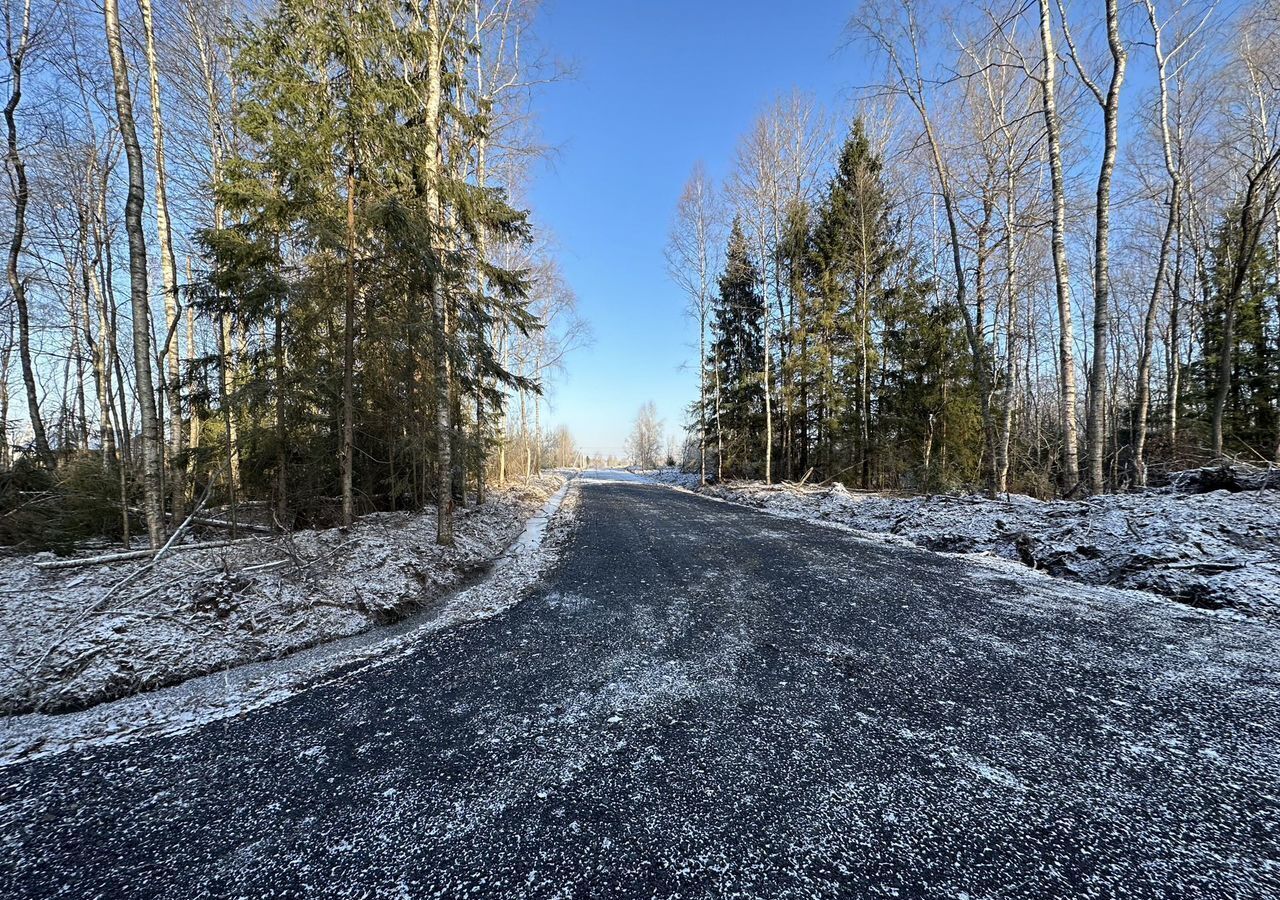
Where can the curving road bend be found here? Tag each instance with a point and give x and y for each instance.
(701, 700)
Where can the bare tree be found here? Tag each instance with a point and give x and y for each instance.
(1062, 277)
(645, 443)
(1166, 70)
(168, 267)
(1109, 101)
(151, 441)
(896, 31)
(18, 41)
(690, 253)
(1011, 154)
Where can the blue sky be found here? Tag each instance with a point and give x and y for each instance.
(659, 85)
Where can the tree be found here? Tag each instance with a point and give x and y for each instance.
(168, 266)
(1239, 244)
(737, 346)
(139, 299)
(851, 258)
(645, 443)
(777, 166)
(17, 47)
(1109, 101)
(1166, 69)
(897, 31)
(690, 262)
(1062, 277)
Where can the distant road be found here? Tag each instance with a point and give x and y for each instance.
(706, 701)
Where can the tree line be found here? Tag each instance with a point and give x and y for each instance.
(1042, 255)
(271, 257)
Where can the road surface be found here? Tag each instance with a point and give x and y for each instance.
(700, 700)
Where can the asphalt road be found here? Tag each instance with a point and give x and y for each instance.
(705, 701)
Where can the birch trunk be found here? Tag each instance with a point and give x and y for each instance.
(1097, 418)
(205, 45)
(1143, 400)
(1175, 341)
(1011, 338)
(6, 451)
(150, 435)
(768, 389)
(1066, 337)
(168, 272)
(98, 348)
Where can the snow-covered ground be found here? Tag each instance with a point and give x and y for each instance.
(1218, 549)
(75, 637)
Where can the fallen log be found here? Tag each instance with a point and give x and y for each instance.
(1233, 478)
(126, 555)
(239, 526)
(207, 522)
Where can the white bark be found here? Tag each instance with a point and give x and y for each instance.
(150, 436)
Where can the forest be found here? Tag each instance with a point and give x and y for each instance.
(270, 258)
(1041, 255)
(276, 264)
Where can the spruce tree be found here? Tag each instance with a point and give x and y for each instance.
(1251, 419)
(358, 239)
(852, 254)
(737, 346)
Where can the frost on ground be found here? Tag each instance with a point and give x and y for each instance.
(235, 692)
(74, 637)
(1218, 549)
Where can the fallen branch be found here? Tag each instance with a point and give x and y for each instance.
(238, 526)
(125, 555)
(206, 522)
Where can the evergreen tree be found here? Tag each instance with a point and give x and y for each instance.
(1251, 422)
(853, 251)
(358, 245)
(927, 415)
(737, 347)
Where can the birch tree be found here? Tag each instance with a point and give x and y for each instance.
(690, 254)
(1062, 279)
(1109, 102)
(20, 33)
(1168, 68)
(139, 299)
(168, 267)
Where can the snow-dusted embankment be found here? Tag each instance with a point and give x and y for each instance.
(75, 637)
(1218, 549)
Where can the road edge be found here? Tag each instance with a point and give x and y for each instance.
(238, 691)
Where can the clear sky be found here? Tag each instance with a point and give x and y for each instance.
(659, 84)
